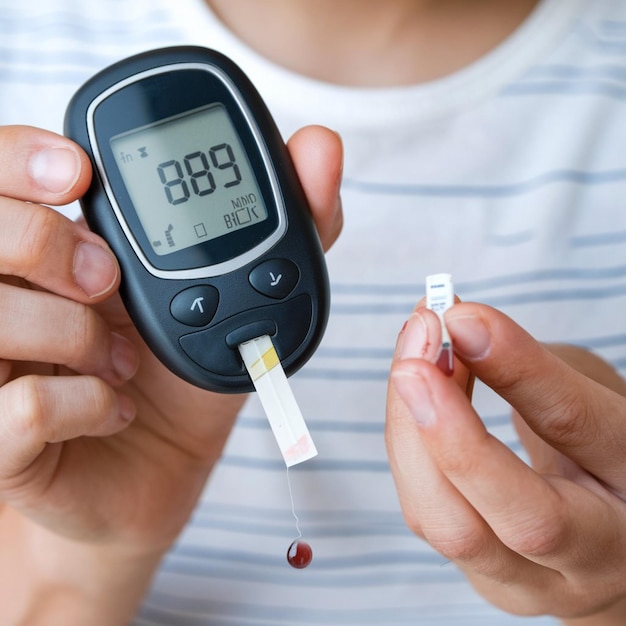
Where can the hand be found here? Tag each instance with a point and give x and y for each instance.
(100, 444)
(548, 540)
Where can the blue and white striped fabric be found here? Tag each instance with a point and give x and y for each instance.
(510, 175)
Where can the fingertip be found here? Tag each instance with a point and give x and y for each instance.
(63, 171)
(95, 269)
(55, 170)
(124, 357)
(319, 139)
(127, 407)
(317, 153)
(41, 166)
(420, 337)
(121, 411)
(470, 335)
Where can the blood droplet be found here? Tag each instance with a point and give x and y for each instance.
(445, 362)
(299, 554)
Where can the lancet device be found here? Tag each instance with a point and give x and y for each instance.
(194, 191)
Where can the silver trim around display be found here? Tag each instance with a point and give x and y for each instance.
(209, 270)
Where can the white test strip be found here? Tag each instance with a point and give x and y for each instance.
(439, 298)
(282, 410)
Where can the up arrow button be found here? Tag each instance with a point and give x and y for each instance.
(195, 306)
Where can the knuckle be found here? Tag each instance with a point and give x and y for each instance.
(460, 546)
(539, 537)
(566, 419)
(37, 239)
(24, 399)
(454, 464)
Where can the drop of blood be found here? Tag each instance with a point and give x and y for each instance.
(299, 554)
(445, 362)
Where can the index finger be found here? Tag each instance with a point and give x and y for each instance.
(576, 415)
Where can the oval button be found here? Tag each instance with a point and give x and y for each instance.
(195, 306)
(275, 278)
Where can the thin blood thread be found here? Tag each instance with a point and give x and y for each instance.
(293, 508)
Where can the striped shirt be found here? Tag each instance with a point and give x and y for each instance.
(509, 174)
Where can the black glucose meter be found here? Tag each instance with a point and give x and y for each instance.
(196, 194)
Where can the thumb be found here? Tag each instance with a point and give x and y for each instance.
(576, 415)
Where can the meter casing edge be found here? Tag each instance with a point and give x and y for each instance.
(296, 322)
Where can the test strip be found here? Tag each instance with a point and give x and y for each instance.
(439, 298)
(282, 410)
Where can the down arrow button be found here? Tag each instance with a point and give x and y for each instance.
(275, 278)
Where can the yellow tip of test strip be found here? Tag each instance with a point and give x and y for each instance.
(282, 410)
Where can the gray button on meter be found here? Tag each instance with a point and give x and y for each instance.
(195, 306)
(275, 278)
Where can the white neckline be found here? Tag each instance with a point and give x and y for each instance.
(342, 107)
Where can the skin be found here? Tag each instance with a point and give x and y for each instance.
(373, 43)
(104, 453)
(542, 540)
(103, 456)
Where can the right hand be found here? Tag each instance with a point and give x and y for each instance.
(99, 443)
(542, 540)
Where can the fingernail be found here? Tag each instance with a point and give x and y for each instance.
(55, 169)
(414, 392)
(126, 407)
(95, 270)
(413, 339)
(470, 335)
(123, 357)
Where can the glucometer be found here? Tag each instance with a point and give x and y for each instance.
(195, 192)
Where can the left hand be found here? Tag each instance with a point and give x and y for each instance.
(544, 540)
(103, 451)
